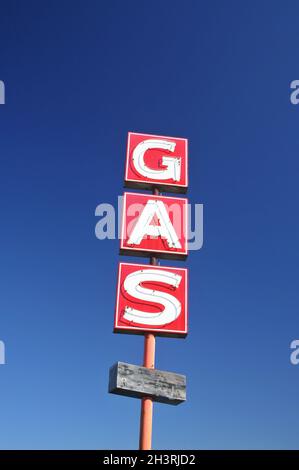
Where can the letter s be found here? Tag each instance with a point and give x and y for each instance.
(172, 306)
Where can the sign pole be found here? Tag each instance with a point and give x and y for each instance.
(146, 415)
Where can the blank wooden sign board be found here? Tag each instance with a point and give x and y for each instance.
(137, 382)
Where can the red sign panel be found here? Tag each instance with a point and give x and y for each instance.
(151, 298)
(154, 225)
(157, 161)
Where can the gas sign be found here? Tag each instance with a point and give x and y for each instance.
(151, 300)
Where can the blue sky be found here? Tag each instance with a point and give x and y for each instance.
(79, 75)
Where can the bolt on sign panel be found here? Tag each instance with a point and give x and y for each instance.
(157, 161)
(154, 225)
(151, 299)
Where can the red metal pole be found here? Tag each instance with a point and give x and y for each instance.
(146, 416)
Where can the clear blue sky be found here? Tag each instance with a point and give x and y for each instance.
(79, 75)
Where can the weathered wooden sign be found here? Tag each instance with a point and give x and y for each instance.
(137, 382)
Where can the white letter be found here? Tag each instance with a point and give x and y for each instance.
(2, 353)
(173, 164)
(107, 221)
(195, 238)
(295, 354)
(144, 226)
(172, 306)
(2, 92)
(295, 94)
